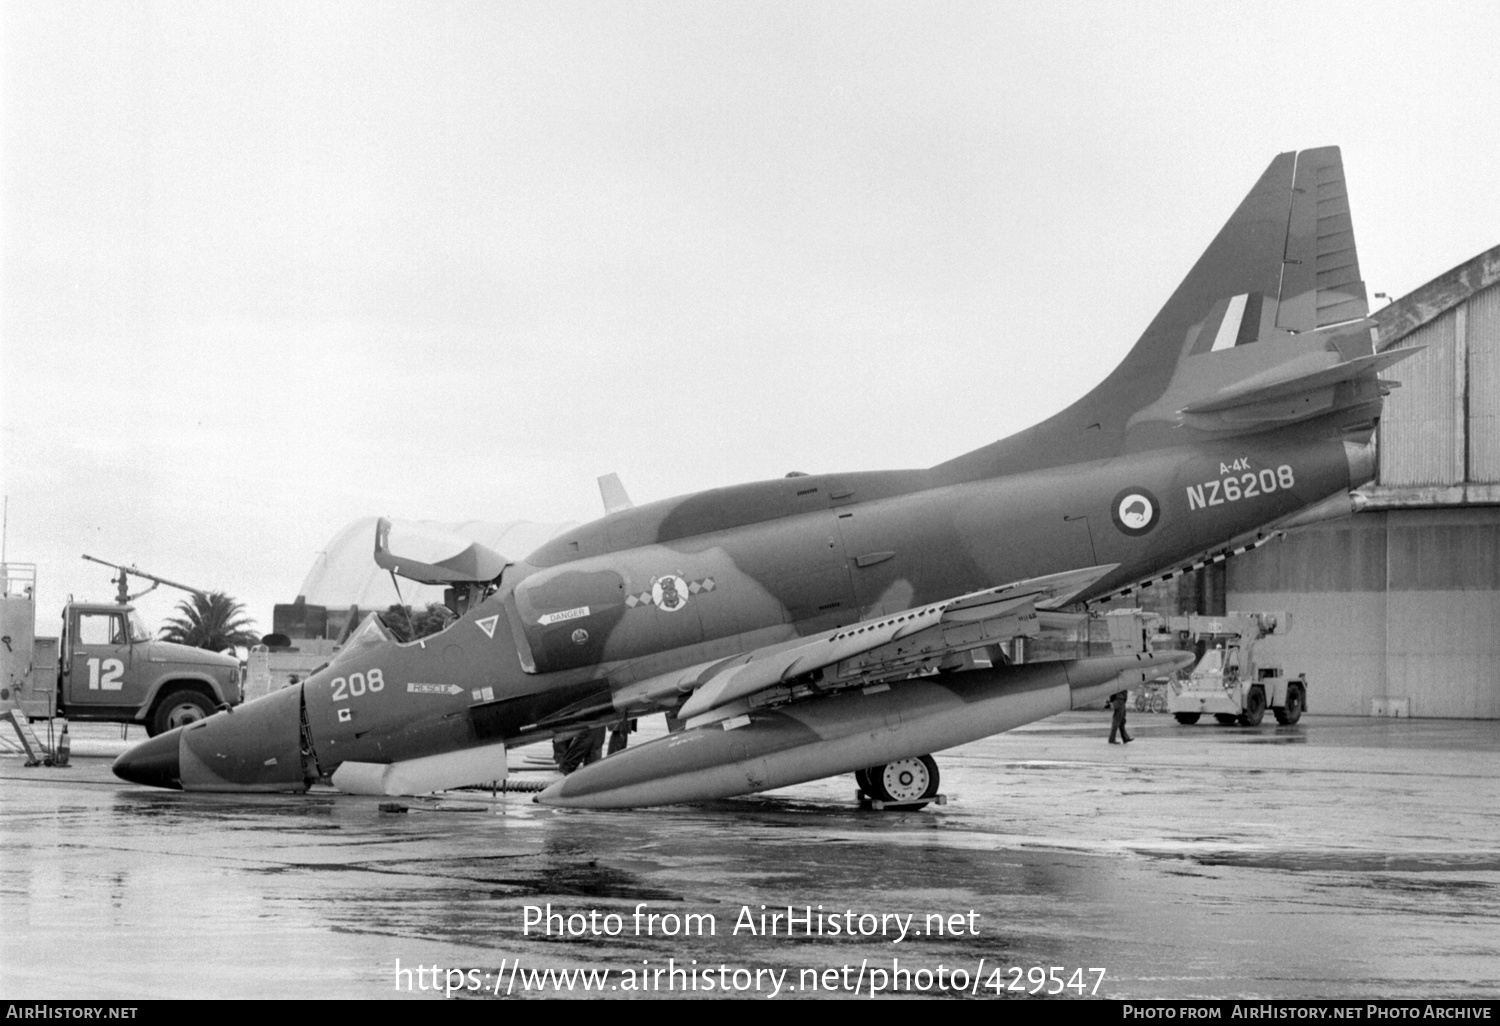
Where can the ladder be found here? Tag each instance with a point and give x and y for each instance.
(29, 741)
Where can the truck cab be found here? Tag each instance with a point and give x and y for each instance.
(104, 665)
(110, 668)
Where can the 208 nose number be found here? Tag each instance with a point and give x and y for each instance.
(356, 684)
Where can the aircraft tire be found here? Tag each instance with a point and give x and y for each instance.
(1187, 719)
(1292, 712)
(1255, 707)
(178, 708)
(1158, 703)
(862, 778)
(909, 783)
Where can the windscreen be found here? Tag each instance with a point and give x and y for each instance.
(1211, 665)
(371, 632)
(138, 631)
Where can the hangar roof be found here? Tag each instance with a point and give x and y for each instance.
(1405, 315)
(1440, 430)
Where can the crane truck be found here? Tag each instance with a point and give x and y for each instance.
(1229, 681)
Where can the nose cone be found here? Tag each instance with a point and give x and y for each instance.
(257, 747)
(153, 762)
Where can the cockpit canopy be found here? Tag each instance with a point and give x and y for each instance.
(427, 554)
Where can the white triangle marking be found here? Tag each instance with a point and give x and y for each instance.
(487, 625)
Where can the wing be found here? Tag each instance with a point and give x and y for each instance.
(871, 652)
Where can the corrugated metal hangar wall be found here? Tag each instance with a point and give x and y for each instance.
(1396, 610)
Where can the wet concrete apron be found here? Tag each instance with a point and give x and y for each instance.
(1338, 858)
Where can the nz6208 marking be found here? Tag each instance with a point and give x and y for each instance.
(1240, 486)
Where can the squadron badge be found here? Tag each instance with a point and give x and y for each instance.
(669, 593)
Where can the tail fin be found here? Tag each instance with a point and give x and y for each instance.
(1283, 274)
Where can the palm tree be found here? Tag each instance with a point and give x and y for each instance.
(406, 625)
(213, 621)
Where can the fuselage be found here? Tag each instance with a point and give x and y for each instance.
(1251, 396)
(707, 576)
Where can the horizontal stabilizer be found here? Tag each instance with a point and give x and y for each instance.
(432, 556)
(1290, 380)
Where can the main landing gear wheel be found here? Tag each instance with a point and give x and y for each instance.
(1187, 719)
(906, 784)
(178, 709)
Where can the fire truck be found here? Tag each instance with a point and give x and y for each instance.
(104, 664)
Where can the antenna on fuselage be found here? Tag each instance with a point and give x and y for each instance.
(612, 491)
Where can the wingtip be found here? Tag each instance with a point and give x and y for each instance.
(1072, 583)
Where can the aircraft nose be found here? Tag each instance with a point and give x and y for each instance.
(256, 747)
(153, 762)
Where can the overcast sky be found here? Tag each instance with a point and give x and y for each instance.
(271, 267)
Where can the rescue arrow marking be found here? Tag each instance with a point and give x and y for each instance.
(488, 625)
(433, 689)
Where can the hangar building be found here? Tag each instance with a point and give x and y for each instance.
(1396, 610)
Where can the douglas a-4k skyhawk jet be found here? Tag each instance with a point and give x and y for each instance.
(835, 623)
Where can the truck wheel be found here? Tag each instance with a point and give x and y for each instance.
(1255, 707)
(905, 782)
(1187, 719)
(178, 709)
(1293, 710)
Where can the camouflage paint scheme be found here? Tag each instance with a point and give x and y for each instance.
(1251, 396)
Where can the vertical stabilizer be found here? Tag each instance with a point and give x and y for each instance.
(1320, 282)
(1269, 299)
